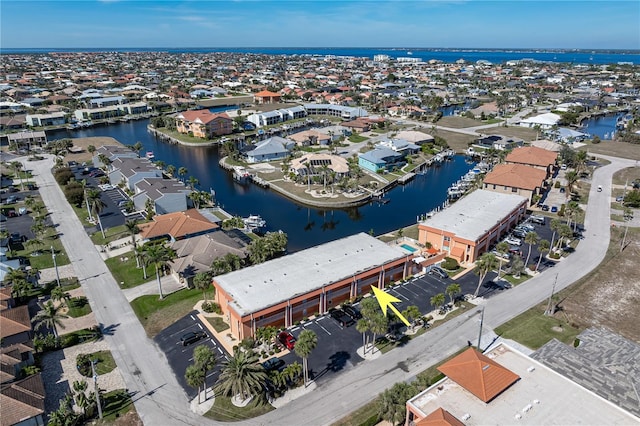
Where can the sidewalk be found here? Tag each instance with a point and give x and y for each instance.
(169, 285)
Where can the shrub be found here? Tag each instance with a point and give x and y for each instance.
(449, 264)
(63, 176)
(596, 140)
(210, 307)
(557, 184)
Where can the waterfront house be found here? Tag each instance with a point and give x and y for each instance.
(106, 102)
(285, 290)
(415, 137)
(544, 121)
(197, 254)
(27, 139)
(470, 226)
(53, 119)
(274, 148)
(266, 118)
(129, 171)
(380, 159)
(357, 125)
(535, 157)
(204, 124)
(517, 179)
(498, 142)
(111, 152)
(177, 226)
(314, 164)
(399, 145)
(166, 195)
(310, 137)
(266, 97)
(344, 112)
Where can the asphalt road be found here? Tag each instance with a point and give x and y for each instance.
(159, 399)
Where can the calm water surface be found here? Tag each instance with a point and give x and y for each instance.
(305, 226)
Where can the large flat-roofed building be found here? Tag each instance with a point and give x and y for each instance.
(471, 225)
(285, 290)
(504, 387)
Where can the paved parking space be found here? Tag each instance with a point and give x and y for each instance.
(180, 357)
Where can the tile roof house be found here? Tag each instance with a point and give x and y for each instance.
(177, 226)
(204, 124)
(15, 325)
(273, 148)
(416, 137)
(478, 374)
(13, 358)
(22, 402)
(439, 417)
(533, 156)
(312, 165)
(517, 179)
(267, 97)
(310, 137)
(167, 195)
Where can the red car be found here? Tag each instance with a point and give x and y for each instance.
(287, 339)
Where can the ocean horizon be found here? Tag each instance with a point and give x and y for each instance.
(448, 55)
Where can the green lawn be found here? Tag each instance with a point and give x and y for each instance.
(111, 234)
(155, 314)
(224, 411)
(126, 273)
(533, 329)
(42, 258)
(105, 363)
(78, 307)
(218, 324)
(117, 404)
(515, 281)
(355, 138)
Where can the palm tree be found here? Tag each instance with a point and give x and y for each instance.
(531, 238)
(543, 247)
(159, 255)
(452, 290)
(379, 325)
(307, 342)
(49, 316)
(554, 225)
(572, 177)
(182, 172)
(137, 147)
(565, 232)
(362, 326)
(193, 182)
(205, 360)
(14, 275)
(485, 264)
(241, 375)
(79, 388)
(502, 248)
(171, 170)
(195, 377)
(437, 301)
(59, 295)
(132, 229)
(96, 205)
(412, 313)
(202, 281)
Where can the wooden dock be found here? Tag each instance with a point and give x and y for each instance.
(406, 178)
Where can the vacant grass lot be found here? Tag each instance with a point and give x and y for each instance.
(512, 131)
(614, 149)
(155, 314)
(456, 141)
(627, 175)
(458, 122)
(126, 273)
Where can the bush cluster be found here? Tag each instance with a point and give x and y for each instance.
(210, 307)
(449, 264)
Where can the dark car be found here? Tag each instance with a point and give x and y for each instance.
(192, 337)
(545, 208)
(436, 270)
(273, 364)
(554, 209)
(499, 285)
(31, 187)
(287, 339)
(352, 312)
(341, 318)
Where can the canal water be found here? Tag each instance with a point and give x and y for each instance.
(604, 126)
(305, 226)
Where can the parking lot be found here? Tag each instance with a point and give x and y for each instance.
(180, 357)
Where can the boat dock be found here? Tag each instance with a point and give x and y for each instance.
(259, 181)
(406, 178)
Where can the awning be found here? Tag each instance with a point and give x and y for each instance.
(419, 259)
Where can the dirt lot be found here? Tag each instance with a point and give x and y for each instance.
(512, 131)
(627, 175)
(614, 149)
(84, 143)
(457, 141)
(609, 297)
(458, 122)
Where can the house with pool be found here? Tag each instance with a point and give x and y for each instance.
(285, 290)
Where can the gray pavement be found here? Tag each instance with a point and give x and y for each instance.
(160, 400)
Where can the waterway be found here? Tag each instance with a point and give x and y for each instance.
(603, 126)
(305, 226)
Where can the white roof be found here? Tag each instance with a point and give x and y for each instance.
(260, 286)
(548, 119)
(474, 215)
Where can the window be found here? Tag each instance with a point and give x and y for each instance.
(514, 189)
(447, 238)
(494, 186)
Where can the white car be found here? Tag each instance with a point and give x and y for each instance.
(527, 227)
(513, 241)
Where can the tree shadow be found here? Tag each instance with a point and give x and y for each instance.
(108, 330)
(337, 362)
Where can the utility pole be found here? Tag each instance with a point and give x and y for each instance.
(95, 387)
(55, 265)
(480, 332)
(553, 290)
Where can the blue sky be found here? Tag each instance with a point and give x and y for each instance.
(256, 23)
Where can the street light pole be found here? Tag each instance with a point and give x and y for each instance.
(55, 265)
(480, 332)
(95, 387)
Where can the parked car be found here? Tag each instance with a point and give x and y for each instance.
(436, 270)
(273, 364)
(496, 253)
(513, 241)
(11, 199)
(499, 285)
(554, 209)
(352, 312)
(519, 232)
(287, 339)
(562, 190)
(11, 213)
(545, 208)
(12, 189)
(16, 237)
(527, 227)
(540, 220)
(32, 186)
(341, 318)
(192, 337)
(619, 198)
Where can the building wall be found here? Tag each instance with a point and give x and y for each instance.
(527, 193)
(286, 313)
(171, 203)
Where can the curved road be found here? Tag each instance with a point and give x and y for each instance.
(160, 400)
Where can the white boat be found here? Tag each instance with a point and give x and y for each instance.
(254, 221)
(240, 174)
(150, 155)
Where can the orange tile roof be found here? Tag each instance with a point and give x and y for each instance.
(440, 417)
(516, 175)
(14, 321)
(532, 155)
(205, 116)
(266, 94)
(177, 225)
(478, 374)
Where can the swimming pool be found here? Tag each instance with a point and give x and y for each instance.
(409, 248)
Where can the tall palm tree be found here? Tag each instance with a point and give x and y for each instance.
(412, 313)
(171, 169)
(132, 229)
(571, 177)
(159, 255)
(437, 300)
(502, 248)
(485, 264)
(241, 375)
(543, 247)
(307, 342)
(362, 326)
(554, 225)
(193, 181)
(182, 172)
(49, 316)
(530, 238)
(379, 325)
(14, 275)
(205, 360)
(452, 290)
(96, 205)
(195, 378)
(137, 147)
